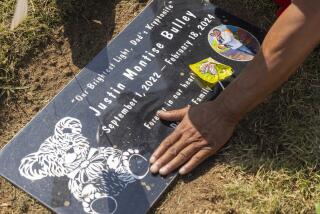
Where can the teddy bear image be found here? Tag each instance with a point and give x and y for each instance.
(96, 175)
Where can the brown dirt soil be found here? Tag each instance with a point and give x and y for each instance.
(49, 72)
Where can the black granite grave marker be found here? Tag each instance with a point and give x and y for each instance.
(87, 151)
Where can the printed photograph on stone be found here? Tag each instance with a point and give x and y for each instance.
(233, 42)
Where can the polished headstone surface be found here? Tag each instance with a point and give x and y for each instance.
(87, 150)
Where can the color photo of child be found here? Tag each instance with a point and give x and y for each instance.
(233, 42)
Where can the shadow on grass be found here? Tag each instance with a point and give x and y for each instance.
(88, 26)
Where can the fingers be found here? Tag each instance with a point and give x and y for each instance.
(165, 144)
(174, 151)
(172, 138)
(198, 158)
(184, 145)
(183, 156)
(174, 115)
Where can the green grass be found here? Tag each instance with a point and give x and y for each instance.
(18, 46)
(278, 146)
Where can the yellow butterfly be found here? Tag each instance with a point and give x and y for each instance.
(211, 71)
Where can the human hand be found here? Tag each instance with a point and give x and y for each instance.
(194, 139)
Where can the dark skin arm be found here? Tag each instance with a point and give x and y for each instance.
(205, 128)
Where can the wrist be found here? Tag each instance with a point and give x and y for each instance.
(228, 109)
(213, 122)
(216, 109)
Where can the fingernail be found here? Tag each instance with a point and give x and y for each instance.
(163, 171)
(158, 112)
(182, 171)
(154, 168)
(152, 159)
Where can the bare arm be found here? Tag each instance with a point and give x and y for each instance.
(205, 128)
(290, 40)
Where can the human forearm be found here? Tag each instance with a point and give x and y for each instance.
(288, 43)
(206, 127)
